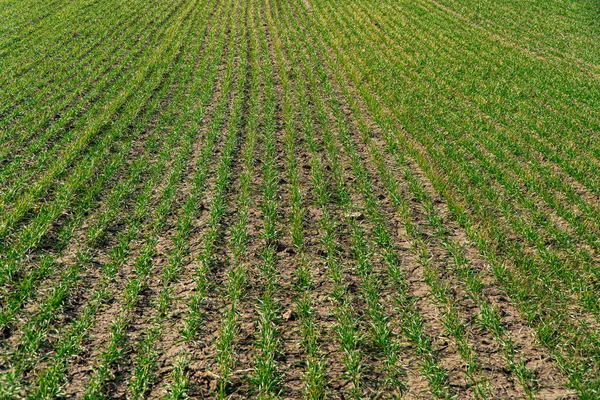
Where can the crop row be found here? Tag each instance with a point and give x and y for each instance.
(451, 167)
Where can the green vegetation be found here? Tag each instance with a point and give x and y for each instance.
(304, 199)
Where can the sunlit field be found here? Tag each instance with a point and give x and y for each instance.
(302, 199)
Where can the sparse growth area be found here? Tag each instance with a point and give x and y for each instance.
(302, 199)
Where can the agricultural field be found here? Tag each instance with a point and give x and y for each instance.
(302, 199)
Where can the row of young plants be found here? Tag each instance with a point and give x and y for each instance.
(314, 376)
(146, 357)
(228, 119)
(489, 316)
(31, 235)
(533, 305)
(381, 332)
(556, 29)
(33, 78)
(528, 144)
(523, 374)
(266, 378)
(580, 257)
(65, 130)
(65, 94)
(435, 277)
(234, 290)
(50, 379)
(102, 133)
(223, 121)
(530, 182)
(113, 354)
(349, 327)
(544, 186)
(346, 328)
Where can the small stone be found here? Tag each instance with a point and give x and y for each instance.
(356, 215)
(289, 315)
